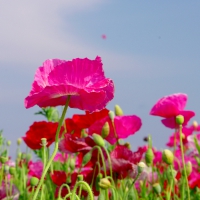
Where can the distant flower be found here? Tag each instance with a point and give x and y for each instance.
(169, 107)
(125, 126)
(82, 79)
(103, 36)
(35, 169)
(39, 130)
(186, 132)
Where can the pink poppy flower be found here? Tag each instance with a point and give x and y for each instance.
(35, 169)
(171, 106)
(124, 125)
(83, 79)
(104, 36)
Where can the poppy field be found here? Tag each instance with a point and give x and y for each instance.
(91, 158)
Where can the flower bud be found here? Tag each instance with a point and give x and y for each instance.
(128, 145)
(157, 188)
(3, 159)
(72, 164)
(195, 124)
(188, 167)
(149, 156)
(19, 141)
(80, 177)
(179, 119)
(104, 183)
(111, 115)
(86, 158)
(12, 170)
(141, 167)
(98, 140)
(34, 181)
(105, 130)
(118, 110)
(6, 169)
(8, 143)
(28, 157)
(168, 156)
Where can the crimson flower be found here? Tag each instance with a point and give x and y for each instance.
(58, 177)
(169, 107)
(83, 79)
(124, 125)
(39, 130)
(124, 161)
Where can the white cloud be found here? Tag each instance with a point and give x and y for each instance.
(32, 30)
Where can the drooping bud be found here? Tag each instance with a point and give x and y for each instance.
(118, 110)
(86, 158)
(34, 181)
(12, 170)
(105, 130)
(98, 140)
(141, 167)
(104, 183)
(179, 119)
(188, 167)
(157, 188)
(111, 115)
(149, 156)
(168, 156)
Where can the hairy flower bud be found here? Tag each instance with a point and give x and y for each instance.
(149, 156)
(105, 130)
(8, 143)
(118, 111)
(188, 167)
(179, 119)
(86, 158)
(141, 167)
(19, 141)
(34, 181)
(98, 140)
(157, 188)
(12, 170)
(111, 115)
(168, 156)
(104, 183)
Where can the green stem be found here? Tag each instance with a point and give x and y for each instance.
(87, 188)
(109, 161)
(171, 183)
(55, 149)
(183, 161)
(102, 158)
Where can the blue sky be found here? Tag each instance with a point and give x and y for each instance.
(152, 50)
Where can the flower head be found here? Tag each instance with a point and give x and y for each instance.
(39, 130)
(171, 106)
(82, 79)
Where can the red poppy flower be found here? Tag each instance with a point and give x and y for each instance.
(171, 106)
(59, 177)
(39, 130)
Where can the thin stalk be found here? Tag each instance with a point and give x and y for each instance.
(183, 161)
(55, 149)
